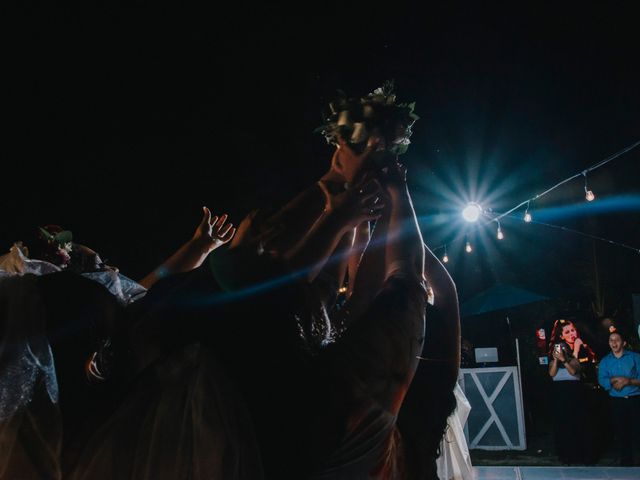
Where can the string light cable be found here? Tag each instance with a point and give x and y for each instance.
(589, 194)
(588, 235)
(550, 225)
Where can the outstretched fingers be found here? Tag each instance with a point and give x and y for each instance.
(220, 222)
(223, 231)
(206, 218)
(228, 234)
(214, 230)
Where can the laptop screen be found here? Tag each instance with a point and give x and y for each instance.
(486, 355)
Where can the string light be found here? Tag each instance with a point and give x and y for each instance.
(528, 218)
(588, 194)
(469, 249)
(527, 215)
(568, 179)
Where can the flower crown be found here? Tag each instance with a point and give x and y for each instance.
(357, 119)
(59, 244)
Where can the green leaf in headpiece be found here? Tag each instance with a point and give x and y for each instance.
(64, 237)
(46, 234)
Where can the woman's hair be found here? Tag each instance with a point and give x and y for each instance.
(556, 337)
(556, 332)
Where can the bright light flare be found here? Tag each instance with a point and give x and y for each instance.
(472, 212)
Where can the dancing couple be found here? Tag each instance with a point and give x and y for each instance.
(291, 353)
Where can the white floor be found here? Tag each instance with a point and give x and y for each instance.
(556, 473)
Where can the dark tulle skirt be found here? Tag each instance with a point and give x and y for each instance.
(182, 420)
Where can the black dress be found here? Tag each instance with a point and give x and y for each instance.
(572, 431)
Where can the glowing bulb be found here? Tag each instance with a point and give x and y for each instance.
(588, 194)
(527, 217)
(472, 212)
(468, 248)
(445, 259)
(500, 235)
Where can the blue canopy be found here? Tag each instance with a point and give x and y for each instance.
(498, 297)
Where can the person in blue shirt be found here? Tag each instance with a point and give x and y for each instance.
(619, 374)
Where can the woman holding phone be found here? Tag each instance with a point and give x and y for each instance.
(569, 399)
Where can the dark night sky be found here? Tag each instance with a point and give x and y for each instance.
(122, 125)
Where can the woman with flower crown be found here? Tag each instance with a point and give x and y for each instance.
(325, 403)
(283, 383)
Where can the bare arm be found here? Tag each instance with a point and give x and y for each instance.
(405, 248)
(572, 364)
(301, 214)
(395, 245)
(444, 329)
(369, 274)
(295, 219)
(210, 234)
(332, 276)
(361, 238)
(342, 213)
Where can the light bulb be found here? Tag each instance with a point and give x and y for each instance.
(500, 235)
(468, 248)
(588, 194)
(527, 217)
(445, 259)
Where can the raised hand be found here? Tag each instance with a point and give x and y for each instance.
(213, 231)
(394, 178)
(364, 202)
(347, 164)
(558, 354)
(576, 347)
